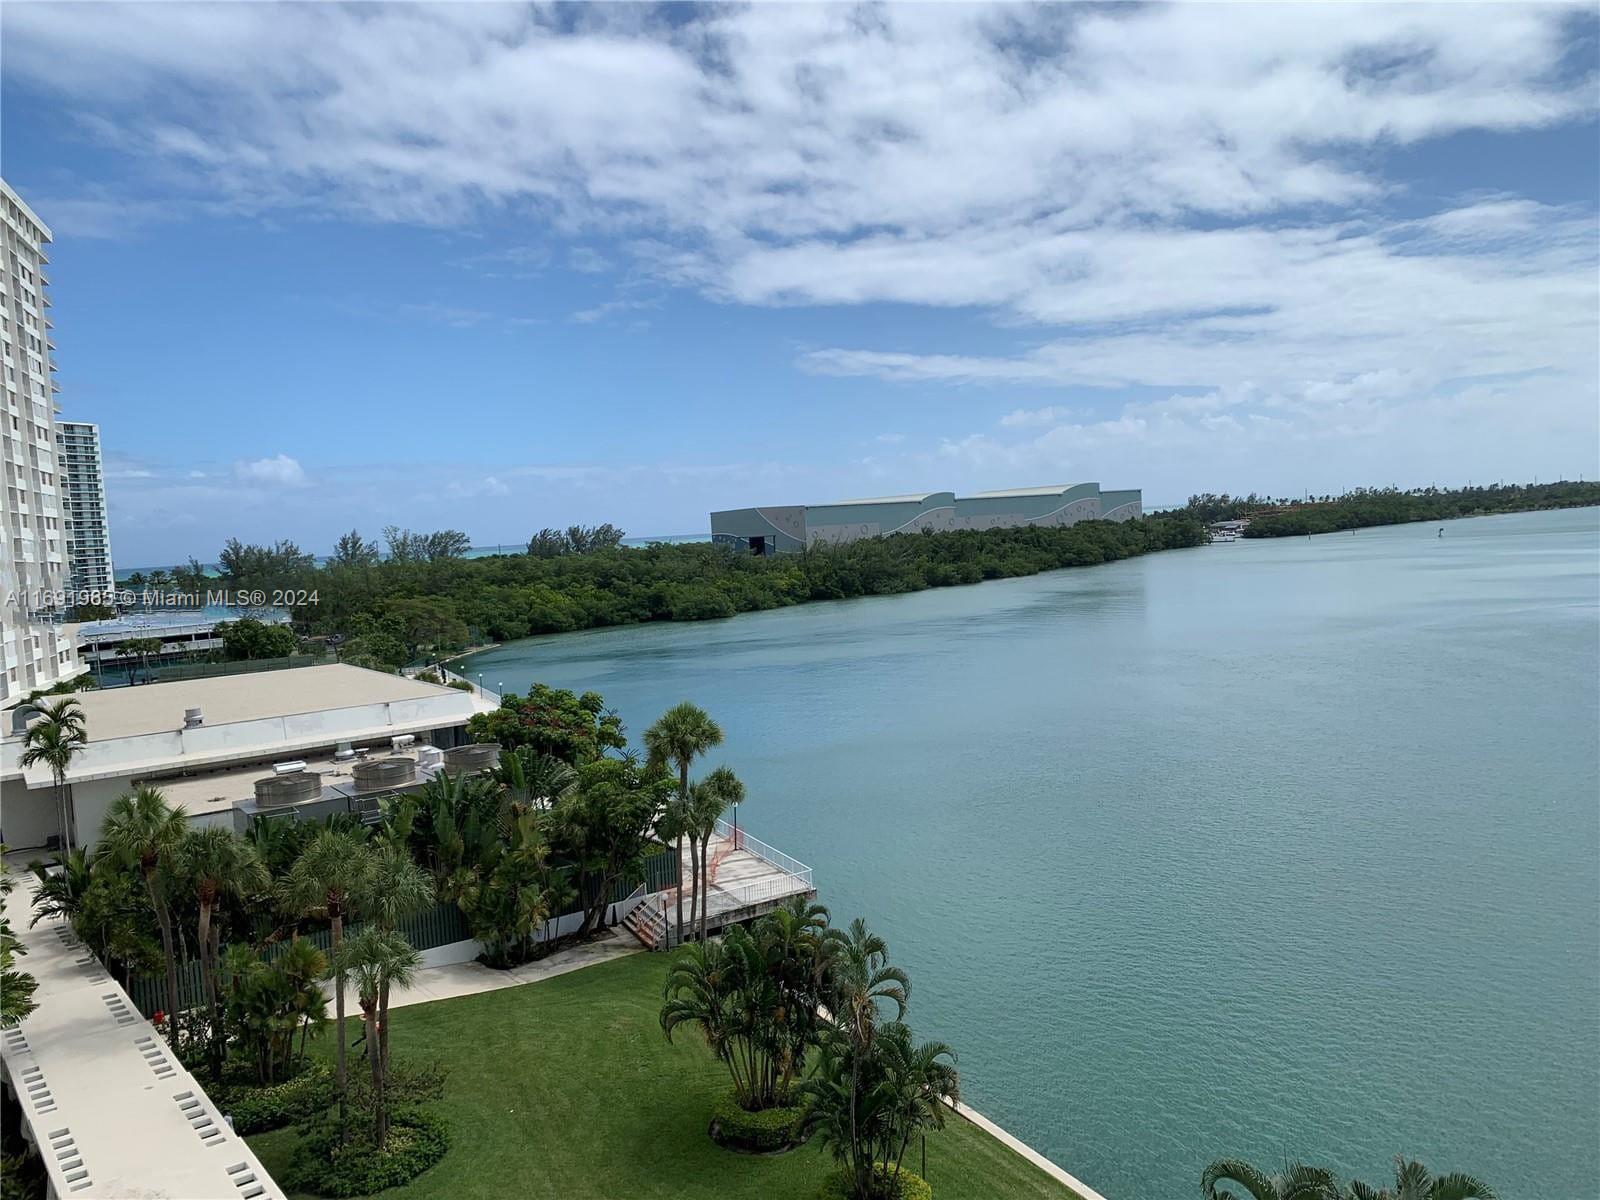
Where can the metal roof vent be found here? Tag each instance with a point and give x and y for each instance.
(193, 717)
(343, 752)
(379, 774)
(480, 756)
(296, 787)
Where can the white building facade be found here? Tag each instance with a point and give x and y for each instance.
(84, 510)
(35, 651)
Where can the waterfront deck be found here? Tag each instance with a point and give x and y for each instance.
(748, 878)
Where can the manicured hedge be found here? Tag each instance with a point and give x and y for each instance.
(256, 1109)
(740, 1129)
(908, 1186)
(417, 1140)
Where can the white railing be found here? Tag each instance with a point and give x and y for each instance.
(768, 854)
(743, 895)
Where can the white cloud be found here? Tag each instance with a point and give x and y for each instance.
(1144, 196)
(277, 471)
(1051, 414)
(488, 485)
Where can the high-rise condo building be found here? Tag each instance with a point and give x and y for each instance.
(88, 534)
(35, 651)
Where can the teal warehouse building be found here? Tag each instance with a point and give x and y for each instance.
(779, 529)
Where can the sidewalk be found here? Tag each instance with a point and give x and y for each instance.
(470, 978)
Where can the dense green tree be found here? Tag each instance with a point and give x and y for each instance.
(249, 638)
(217, 864)
(552, 588)
(141, 648)
(680, 735)
(604, 827)
(552, 721)
(142, 829)
(352, 550)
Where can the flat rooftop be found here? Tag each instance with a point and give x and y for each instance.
(225, 699)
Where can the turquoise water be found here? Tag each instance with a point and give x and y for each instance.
(1268, 848)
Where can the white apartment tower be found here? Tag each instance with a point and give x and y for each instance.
(35, 651)
(88, 534)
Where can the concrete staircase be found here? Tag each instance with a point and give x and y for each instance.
(651, 924)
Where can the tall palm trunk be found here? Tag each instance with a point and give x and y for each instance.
(705, 883)
(694, 883)
(208, 983)
(336, 917)
(216, 991)
(683, 802)
(61, 807)
(380, 1118)
(383, 1021)
(164, 919)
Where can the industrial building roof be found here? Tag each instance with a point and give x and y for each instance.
(1054, 489)
(910, 498)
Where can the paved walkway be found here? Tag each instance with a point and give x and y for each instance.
(470, 978)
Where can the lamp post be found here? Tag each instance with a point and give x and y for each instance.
(735, 824)
(480, 683)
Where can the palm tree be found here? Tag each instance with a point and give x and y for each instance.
(708, 800)
(61, 886)
(376, 959)
(920, 1084)
(304, 966)
(1412, 1182)
(862, 982)
(680, 735)
(218, 864)
(55, 741)
(142, 828)
(395, 887)
(324, 881)
(16, 986)
(1296, 1182)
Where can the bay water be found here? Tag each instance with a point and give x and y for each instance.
(1277, 848)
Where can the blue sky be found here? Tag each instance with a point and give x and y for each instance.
(496, 267)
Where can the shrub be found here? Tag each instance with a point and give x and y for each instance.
(256, 1108)
(907, 1186)
(740, 1129)
(320, 1165)
(461, 685)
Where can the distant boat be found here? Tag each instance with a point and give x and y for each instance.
(1441, 533)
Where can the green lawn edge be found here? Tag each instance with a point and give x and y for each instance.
(566, 1088)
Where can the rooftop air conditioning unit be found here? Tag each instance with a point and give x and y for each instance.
(429, 758)
(402, 741)
(282, 790)
(288, 768)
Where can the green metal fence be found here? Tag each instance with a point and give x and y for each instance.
(441, 925)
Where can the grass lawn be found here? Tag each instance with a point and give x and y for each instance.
(566, 1088)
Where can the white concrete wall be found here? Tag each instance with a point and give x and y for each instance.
(27, 816)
